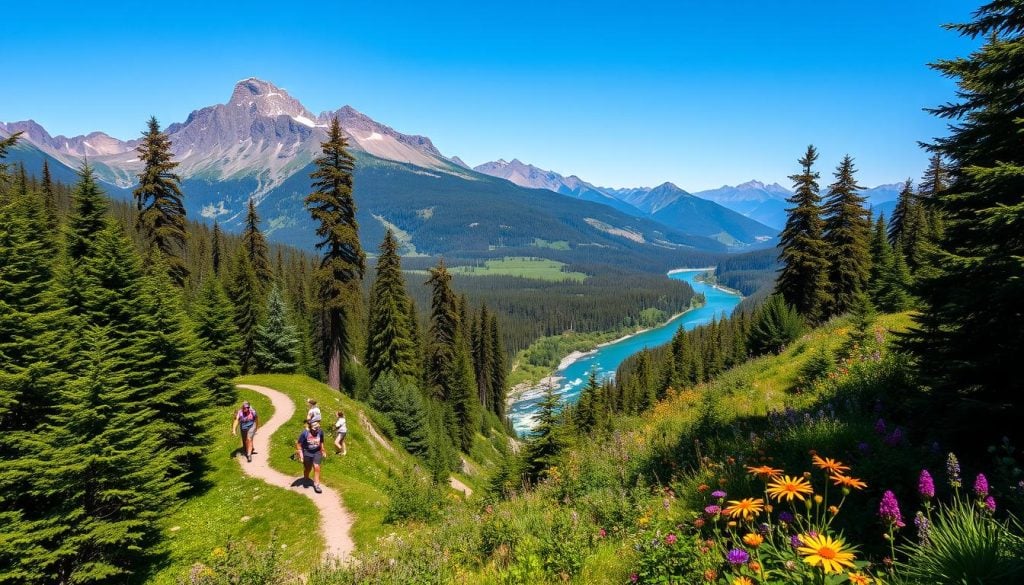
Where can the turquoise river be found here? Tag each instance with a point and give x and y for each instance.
(571, 378)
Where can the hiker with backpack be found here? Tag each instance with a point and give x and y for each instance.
(310, 449)
(340, 430)
(313, 415)
(249, 421)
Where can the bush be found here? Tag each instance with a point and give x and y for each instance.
(241, 564)
(412, 497)
(775, 325)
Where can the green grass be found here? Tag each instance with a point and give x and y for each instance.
(215, 517)
(524, 267)
(558, 245)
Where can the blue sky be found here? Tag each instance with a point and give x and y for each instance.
(621, 94)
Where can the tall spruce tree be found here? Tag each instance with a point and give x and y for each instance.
(49, 201)
(216, 249)
(89, 207)
(881, 258)
(968, 335)
(276, 340)
(897, 223)
(256, 248)
(499, 369)
(5, 145)
(215, 325)
(389, 348)
(803, 280)
(443, 334)
(244, 291)
(547, 441)
(159, 199)
(847, 237)
(341, 269)
(776, 324)
(483, 360)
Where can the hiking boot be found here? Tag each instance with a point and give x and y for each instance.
(248, 458)
(254, 451)
(316, 488)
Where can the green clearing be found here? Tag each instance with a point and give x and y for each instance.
(523, 267)
(558, 245)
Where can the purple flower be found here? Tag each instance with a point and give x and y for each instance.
(794, 541)
(712, 510)
(981, 485)
(880, 426)
(923, 528)
(926, 485)
(634, 578)
(895, 438)
(670, 538)
(990, 503)
(737, 556)
(786, 517)
(764, 529)
(889, 509)
(718, 494)
(953, 471)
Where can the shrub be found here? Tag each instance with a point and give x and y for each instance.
(776, 325)
(412, 497)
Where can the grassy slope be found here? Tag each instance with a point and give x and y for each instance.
(535, 268)
(215, 518)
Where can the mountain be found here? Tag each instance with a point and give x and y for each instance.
(261, 144)
(754, 199)
(666, 203)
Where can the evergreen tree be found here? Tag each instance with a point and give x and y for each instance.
(159, 199)
(275, 339)
(546, 442)
(968, 335)
(256, 248)
(341, 270)
(847, 237)
(803, 281)
(244, 291)
(915, 236)
(935, 179)
(89, 206)
(776, 324)
(5, 145)
(216, 249)
(401, 402)
(483, 360)
(897, 227)
(49, 200)
(389, 347)
(881, 259)
(893, 294)
(215, 326)
(499, 370)
(444, 333)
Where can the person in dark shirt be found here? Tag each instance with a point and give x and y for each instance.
(310, 448)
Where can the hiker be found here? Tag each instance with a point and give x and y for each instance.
(313, 416)
(249, 421)
(340, 430)
(310, 449)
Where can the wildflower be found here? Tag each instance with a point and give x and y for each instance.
(895, 438)
(633, 577)
(670, 538)
(990, 504)
(753, 540)
(830, 465)
(644, 521)
(953, 471)
(718, 494)
(848, 482)
(747, 508)
(710, 575)
(880, 426)
(713, 510)
(981, 485)
(763, 528)
(754, 566)
(790, 566)
(786, 517)
(834, 510)
(923, 528)
(737, 556)
(826, 552)
(926, 485)
(818, 499)
(698, 523)
(859, 578)
(602, 533)
(741, 580)
(703, 488)
(889, 509)
(795, 541)
(789, 487)
(219, 553)
(764, 471)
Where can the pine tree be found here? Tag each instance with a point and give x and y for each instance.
(546, 442)
(276, 341)
(256, 248)
(935, 179)
(483, 360)
(776, 324)
(215, 327)
(89, 206)
(244, 291)
(499, 370)
(49, 200)
(847, 237)
(968, 335)
(401, 402)
(389, 347)
(159, 199)
(444, 333)
(5, 145)
(216, 248)
(803, 281)
(894, 289)
(897, 225)
(341, 270)
(881, 259)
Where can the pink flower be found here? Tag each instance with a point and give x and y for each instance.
(602, 533)
(981, 485)
(889, 509)
(670, 539)
(926, 485)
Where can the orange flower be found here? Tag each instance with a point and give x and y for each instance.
(848, 482)
(828, 464)
(753, 540)
(764, 471)
(789, 487)
(747, 508)
(859, 579)
(710, 575)
(741, 580)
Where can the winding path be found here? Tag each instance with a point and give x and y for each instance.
(335, 520)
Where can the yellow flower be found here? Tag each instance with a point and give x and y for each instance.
(830, 465)
(818, 499)
(753, 540)
(747, 508)
(825, 551)
(644, 521)
(848, 482)
(834, 510)
(789, 487)
(764, 471)
(742, 581)
(219, 553)
(859, 579)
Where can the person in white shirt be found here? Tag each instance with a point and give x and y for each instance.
(340, 430)
(313, 416)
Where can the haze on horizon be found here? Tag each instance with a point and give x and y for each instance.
(697, 94)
